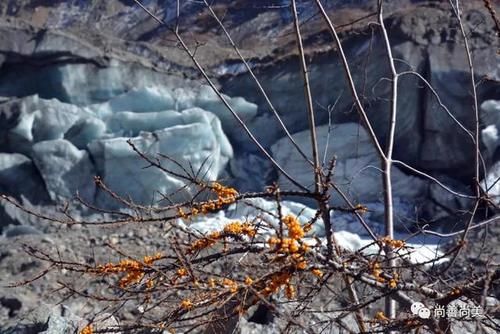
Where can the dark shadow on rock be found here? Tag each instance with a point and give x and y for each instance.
(262, 315)
(13, 304)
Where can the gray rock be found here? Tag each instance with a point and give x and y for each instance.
(12, 304)
(17, 230)
(57, 325)
(27, 42)
(81, 67)
(466, 327)
(48, 319)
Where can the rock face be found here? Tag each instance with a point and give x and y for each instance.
(125, 19)
(423, 39)
(79, 69)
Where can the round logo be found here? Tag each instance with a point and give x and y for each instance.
(419, 309)
(424, 313)
(415, 307)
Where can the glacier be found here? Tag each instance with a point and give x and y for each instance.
(69, 144)
(63, 145)
(193, 138)
(357, 171)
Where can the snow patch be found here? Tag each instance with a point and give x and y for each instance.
(422, 250)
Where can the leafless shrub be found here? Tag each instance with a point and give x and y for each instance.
(207, 281)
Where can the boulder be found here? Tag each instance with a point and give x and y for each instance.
(54, 319)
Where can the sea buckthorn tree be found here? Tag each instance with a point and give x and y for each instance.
(272, 260)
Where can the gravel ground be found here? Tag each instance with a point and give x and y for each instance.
(41, 307)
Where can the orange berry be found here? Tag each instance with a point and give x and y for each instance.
(186, 304)
(301, 265)
(87, 330)
(181, 272)
(317, 272)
